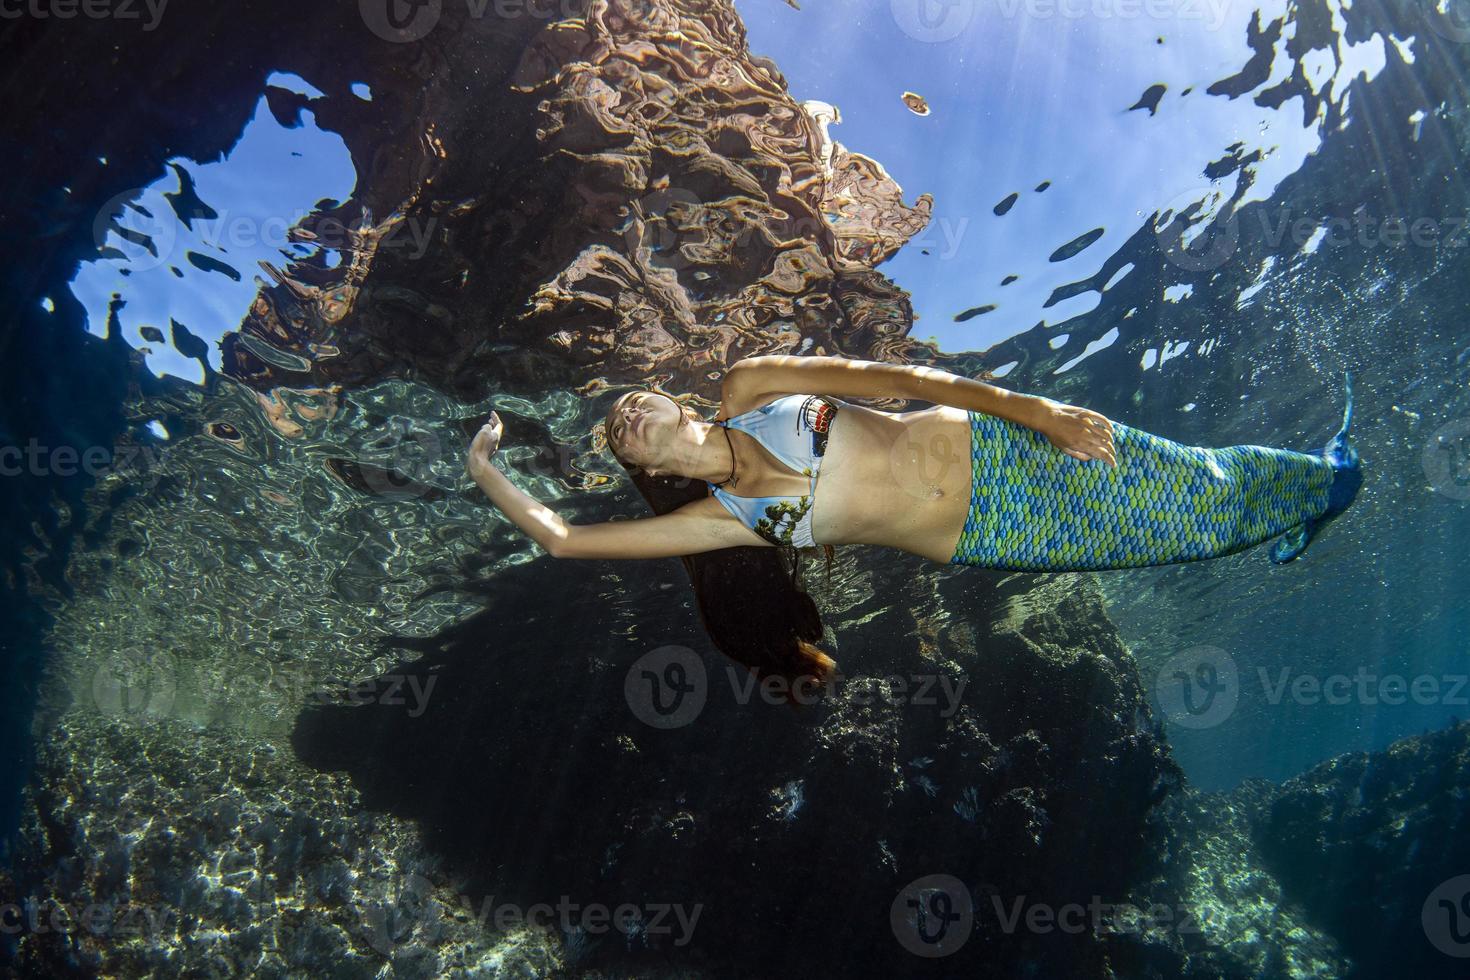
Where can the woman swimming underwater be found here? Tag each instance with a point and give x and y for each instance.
(986, 477)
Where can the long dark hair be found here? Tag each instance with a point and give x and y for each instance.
(753, 608)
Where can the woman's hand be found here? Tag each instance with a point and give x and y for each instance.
(1079, 432)
(483, 446)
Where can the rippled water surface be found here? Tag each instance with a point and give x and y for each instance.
(1194, 221)
(1236, 331)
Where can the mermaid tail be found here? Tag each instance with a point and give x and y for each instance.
(1033, 508)
(1347, 477)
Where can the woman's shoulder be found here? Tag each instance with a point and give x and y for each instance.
(743, 392)
(734, 407)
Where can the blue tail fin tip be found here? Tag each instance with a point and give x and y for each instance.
(1347, 477)
(1339, 450)
(1347, 474)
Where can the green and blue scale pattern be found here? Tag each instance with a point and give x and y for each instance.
(1034, 508)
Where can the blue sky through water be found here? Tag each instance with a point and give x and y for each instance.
(1020, 92)
(270, 179)
(1025, 91)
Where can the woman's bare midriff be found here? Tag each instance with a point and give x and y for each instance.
(897, 479)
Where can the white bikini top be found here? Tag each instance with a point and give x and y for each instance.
(793, 428)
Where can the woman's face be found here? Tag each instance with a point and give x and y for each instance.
(641, 424)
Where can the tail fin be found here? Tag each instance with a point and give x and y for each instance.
(1347, 477)
(1347, 470)
(1338, 451)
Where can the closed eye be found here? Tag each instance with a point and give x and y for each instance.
(619, 428)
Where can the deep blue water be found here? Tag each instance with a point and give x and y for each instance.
(1253, 348)
(1301, 167)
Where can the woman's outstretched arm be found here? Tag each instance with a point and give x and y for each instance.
(703, 525)
(1079, 432)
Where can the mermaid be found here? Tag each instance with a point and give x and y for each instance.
(985, 477)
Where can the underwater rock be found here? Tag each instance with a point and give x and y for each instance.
(618, 224)
(489, 771)
(977, 751)
(1376, 847)
(156, 848)
(988, 740)
(1355, 868)
(623, 220)
(1214, 908)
